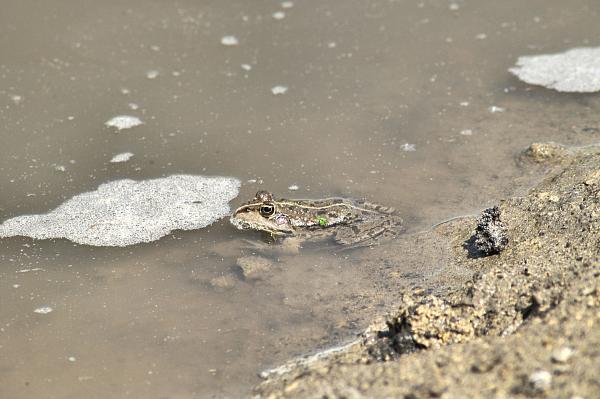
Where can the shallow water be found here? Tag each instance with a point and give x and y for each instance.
(367, 83)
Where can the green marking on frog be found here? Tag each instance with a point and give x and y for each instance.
(322, 221)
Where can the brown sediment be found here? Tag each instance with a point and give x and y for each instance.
(524, 324)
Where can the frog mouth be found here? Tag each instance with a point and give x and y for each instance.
(249, 225)
(240, 224)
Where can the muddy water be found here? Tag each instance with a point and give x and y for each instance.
(403, 103)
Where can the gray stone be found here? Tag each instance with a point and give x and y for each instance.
(254, 267)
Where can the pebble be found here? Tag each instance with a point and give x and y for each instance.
(562, 354)
(254, 267)
(540, 380)
(226, 281)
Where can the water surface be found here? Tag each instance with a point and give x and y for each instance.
(405, 103)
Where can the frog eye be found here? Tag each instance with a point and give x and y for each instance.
(267, 210)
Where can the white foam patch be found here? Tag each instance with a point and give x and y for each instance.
(408, 147)
(16, 99)
(124, 122)
(278, 15)
(127, 212)
(575, 70)
(152, 74)
(122, 157)
(229, 41)
(279, 89)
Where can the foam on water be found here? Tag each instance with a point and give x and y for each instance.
(409, 147)
(229, 41)
(122, 157)
(278, 15)
(152, 74)
(127, 212)
(123, 122)
(575, 70)
(279, 89)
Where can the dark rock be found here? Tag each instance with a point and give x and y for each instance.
(490, 235)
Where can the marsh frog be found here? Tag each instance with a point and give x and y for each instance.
(347, 222)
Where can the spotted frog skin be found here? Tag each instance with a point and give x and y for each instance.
(347, 222)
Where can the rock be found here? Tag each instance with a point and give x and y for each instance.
(562, 354)
(544, 152)
(224, 282)
(254, 267)
(540, 380)
(490, 236)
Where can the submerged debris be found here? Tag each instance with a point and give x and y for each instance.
(490, 234)
(127, 212)
(575, 70)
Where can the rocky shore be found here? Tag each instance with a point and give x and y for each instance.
(521, 320)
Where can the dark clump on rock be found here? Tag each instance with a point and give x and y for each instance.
(490, 235)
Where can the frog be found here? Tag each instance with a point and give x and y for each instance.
(348, 222)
